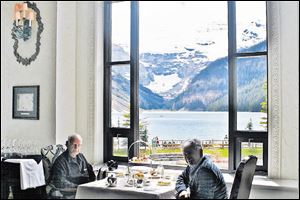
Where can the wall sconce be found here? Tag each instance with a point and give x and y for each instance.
(25, 15)
(23, 18)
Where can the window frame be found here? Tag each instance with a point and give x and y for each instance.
(132, 133)
(236, 135)
(109, 132)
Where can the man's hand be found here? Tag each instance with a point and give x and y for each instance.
(184, 195)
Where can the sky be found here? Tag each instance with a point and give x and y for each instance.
(167, 27)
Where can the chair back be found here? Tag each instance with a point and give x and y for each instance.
(243, 178)
(49, 154)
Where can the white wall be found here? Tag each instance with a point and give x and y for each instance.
(64, 69)
(99, 73)
(40, 72)
(289, 47)
(77, 108)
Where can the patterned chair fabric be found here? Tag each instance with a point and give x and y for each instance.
(50, 154)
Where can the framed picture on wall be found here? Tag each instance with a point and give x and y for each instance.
(26, 102)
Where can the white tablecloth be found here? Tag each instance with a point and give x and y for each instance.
(99, 190)
(31, 173)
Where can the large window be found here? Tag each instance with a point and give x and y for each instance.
(247, 61)
(183, 78)
(186, 73)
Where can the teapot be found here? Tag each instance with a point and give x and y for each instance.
(111, 180)
(108, 166)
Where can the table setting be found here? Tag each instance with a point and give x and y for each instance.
(140, 182)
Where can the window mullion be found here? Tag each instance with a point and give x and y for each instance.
(107, 80)
(251, 54)
(127, 62)
(232, 89)
(134, 76)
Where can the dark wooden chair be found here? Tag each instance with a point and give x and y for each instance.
(243, 178)
(49, 154)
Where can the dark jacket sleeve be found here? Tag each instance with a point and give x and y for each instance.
(85, 177)
(182, 181)
(59, 178)
(92, 176)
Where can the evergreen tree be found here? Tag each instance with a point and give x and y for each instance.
(264, 107)
(144, 134)
(249, 125)
(126, 122)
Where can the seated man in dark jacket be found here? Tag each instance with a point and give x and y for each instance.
(201, 179)
(71, 168)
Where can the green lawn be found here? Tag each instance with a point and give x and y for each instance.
(120, 152)
(220, 152)
(214, 152)
(257, 151)
(223, 152)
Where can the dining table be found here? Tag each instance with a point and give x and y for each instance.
(100, 189)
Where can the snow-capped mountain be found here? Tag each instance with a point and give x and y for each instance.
(194, 75)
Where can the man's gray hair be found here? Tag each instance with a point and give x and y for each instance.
(194, 143)
(71, 138)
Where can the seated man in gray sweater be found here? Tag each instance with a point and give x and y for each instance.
(201, 179)
(71, 168)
